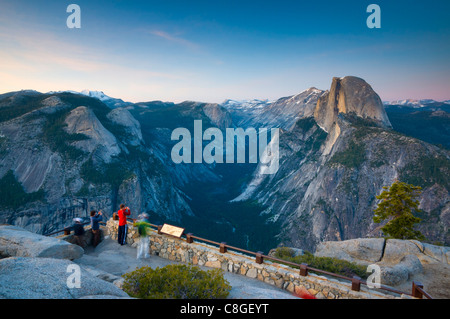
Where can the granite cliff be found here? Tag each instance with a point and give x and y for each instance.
(67, 153)
(350, 95)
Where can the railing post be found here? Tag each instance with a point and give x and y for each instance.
(304, 270)
(66, 231)
(356, 283)
(223, 247)
(259, 257)
(189, 238)
(159, 229)
(416, 292)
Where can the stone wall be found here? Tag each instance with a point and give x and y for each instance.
(282, 276)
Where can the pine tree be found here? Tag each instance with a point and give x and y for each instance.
(398, 203)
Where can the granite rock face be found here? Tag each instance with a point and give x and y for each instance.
(82, 120)
(218, 115)
(283, 113)
(17, 242)
(398, 259)
(75, 150)
(363, 250)
(123, 117)
(49, 278)
(398, 273)
(388, 251)
(397, 249)
(350, 95)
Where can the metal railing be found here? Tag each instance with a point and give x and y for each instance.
(68, 230)
(304, 269)
(418, 292)
(356, 282)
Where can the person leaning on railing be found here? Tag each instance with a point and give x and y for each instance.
(78, 230)
(96, 218)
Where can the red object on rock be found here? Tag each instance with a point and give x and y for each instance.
(303, 293)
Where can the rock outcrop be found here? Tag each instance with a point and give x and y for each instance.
(82, 120)
(389, 251)
(17, 242)
(47, 278)
(350, 95)
(123, 117)
(33, 266)
(399, 260)
(364, 250)
(218, 115)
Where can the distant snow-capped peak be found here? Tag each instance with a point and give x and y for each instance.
(306, 95)
(99, 95)
(413, 103)
(96, 94)
(257, 103)
(245, 104)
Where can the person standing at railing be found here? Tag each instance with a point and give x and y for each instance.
(95, 227)
(122, 231)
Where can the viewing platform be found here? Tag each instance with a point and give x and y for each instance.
(298, 279)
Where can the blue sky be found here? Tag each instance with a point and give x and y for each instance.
(213, 50)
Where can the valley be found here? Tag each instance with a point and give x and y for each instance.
(337, 149)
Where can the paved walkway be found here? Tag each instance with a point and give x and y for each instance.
(115, 259)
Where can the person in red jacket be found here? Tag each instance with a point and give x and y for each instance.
(122, 232)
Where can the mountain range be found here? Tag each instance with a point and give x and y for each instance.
(416, 103)
(65, 153)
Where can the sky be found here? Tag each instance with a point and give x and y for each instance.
(215, 50)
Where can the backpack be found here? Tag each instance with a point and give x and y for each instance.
(142, 229)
